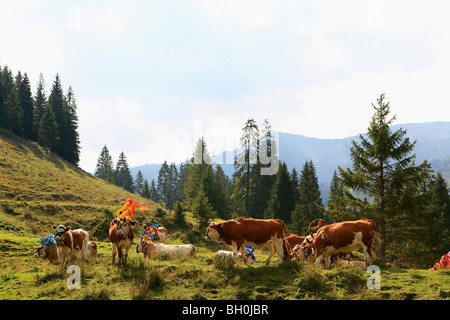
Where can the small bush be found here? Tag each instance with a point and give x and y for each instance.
(311, 281)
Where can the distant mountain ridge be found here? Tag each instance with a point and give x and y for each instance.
(433, 144)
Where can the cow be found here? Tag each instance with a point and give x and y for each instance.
(121, 234)
(52, 254)
(345, 237)
(255, 232)
(71, 242)
(91, 252)
(150, 249)
(156, 233)
(292, 239)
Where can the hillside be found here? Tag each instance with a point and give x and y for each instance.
(38, 190)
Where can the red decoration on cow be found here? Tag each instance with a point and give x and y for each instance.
(128, 209)
(444, 263)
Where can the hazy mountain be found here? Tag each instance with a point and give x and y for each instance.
(433, 144)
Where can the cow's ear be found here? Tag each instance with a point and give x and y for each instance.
(67, 229)
(133, 223)
(54, 227)
(220, 226)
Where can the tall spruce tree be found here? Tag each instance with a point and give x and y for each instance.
(391, 184)
(7, 85)
(282, 198)
(26, 103)
(139, 183)
(57, 100)
(200, 177)
(72, 140)
(104, 169)
(40, 100)
(48, 130)
(306, 207)
(243, 165)
(123, 175)
(14, 112)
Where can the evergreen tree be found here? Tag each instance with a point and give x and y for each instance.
(14, 112)
(104, 169)
(48, 130)
(282, 198)
(179, 213)
(7, 86)
(243, 164)
(200, 176)
(72, 140)
(306, 209)
(154, 191)
(162, 184)
(145, 192)
(122, 174)
(202, 209)
(139, 183)
(26, 103)
(58, 103)
(221, 204)
(40, 100)
(385, 173)
(182, 177)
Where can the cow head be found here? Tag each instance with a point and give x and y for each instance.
(60, 230)
(124, 227)
(40, 252)
(214, 232)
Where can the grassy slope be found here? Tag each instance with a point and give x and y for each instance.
(38, 190)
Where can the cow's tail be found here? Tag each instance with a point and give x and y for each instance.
(287, 253)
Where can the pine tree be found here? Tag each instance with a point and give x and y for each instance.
(104, 169)
(154, 191)
(7, 86)
(122, 174)
(26, 103)
(306, 209)
(14, 112)
(202, 209)
(145, 192)
(162, 184)
(385, 174)
(221, 204)
(200, 175)
(243, 165)
(282, 198)
(139, 183)
(58, 103)
(40, 100)
(72, 140)
(48, 130)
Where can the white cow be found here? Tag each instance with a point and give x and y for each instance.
(149, 249)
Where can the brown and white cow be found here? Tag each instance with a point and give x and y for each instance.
(71, 242)
(345, 237)
(121, 234)
(53, 256)
(257, 233)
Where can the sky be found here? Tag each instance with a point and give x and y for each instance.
(151, 77)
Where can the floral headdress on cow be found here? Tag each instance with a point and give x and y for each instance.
(127, 210)
(147, 230)
(250, 251)
(47, 241)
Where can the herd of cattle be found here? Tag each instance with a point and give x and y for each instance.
(323, 247)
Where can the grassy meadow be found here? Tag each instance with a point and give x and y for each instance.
(38, 190)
